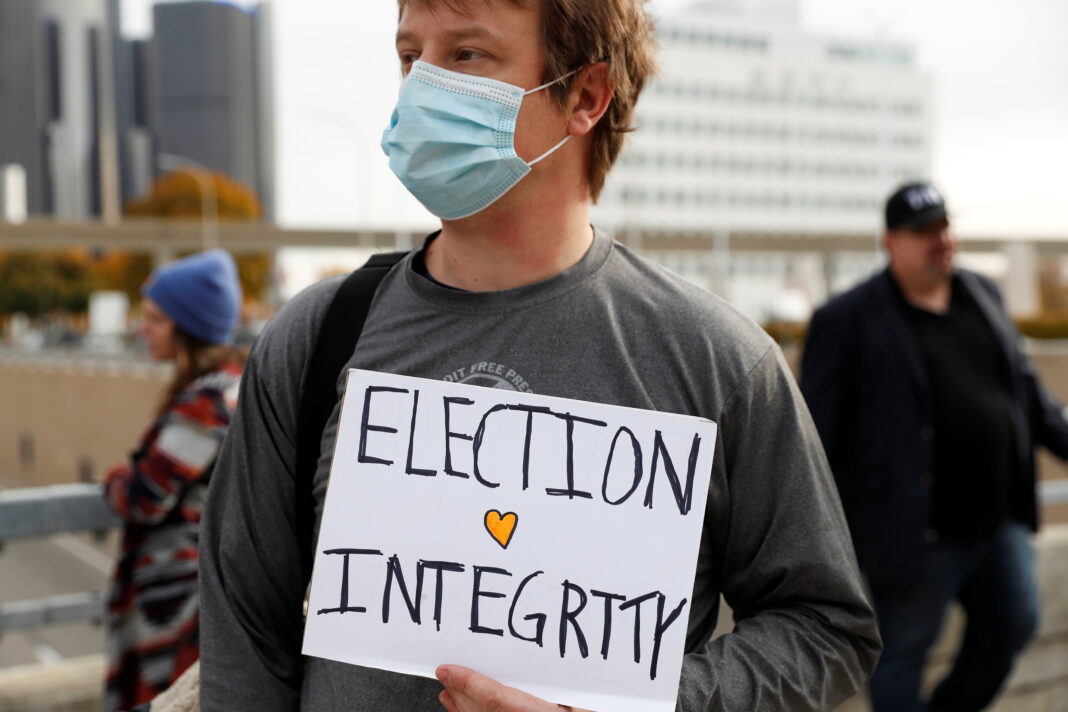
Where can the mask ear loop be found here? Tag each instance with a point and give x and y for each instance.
(548, 153)
(552, 150)
(549, 84)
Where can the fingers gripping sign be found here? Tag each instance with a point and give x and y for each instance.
(467, 691)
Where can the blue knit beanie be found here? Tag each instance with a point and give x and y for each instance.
(201, 293)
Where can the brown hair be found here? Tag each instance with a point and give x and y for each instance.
(578, 33)
(193, 359)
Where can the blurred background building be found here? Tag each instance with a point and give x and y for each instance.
(207, 71)
(54, 110)
(86, 113)
(756, 125)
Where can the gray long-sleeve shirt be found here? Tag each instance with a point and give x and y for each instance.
(614, 329)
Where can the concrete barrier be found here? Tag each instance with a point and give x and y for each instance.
(68, 419)
(74, 685)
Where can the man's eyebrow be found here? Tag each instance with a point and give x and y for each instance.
(458, 35)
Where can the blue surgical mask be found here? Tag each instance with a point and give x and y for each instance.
(451, 139)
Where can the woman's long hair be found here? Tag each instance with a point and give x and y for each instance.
(193, 359)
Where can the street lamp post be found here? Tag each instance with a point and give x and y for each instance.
(209, 205)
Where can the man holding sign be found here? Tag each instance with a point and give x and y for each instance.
(541, 532)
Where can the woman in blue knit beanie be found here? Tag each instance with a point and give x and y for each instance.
(190, 313)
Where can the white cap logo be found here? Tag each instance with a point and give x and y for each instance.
(922, 197)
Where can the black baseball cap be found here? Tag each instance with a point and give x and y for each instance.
(914, 205)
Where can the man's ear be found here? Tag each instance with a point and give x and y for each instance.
(591, 93)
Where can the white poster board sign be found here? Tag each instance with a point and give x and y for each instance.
(548, 543)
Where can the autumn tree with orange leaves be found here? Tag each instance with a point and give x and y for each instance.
(177, 195)
(44, 283)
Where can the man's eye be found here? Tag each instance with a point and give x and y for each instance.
(406, 58)
(467, 55)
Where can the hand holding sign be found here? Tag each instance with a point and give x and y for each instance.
(587, 604)
(467, 691)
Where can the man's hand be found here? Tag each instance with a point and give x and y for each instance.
(467, 691)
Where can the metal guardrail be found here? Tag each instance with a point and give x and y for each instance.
(41, 511)
(67, 608)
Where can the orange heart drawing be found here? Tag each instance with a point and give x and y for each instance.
(501, 526)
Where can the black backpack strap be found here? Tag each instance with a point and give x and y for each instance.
(338, 335)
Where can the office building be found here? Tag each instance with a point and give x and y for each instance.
(207, 78)
(55, 106)
(757, 125)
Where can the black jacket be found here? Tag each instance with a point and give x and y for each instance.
(863, 378)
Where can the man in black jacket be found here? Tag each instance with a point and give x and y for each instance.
(930, 415)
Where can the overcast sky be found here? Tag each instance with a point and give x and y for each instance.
(1000, 74)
